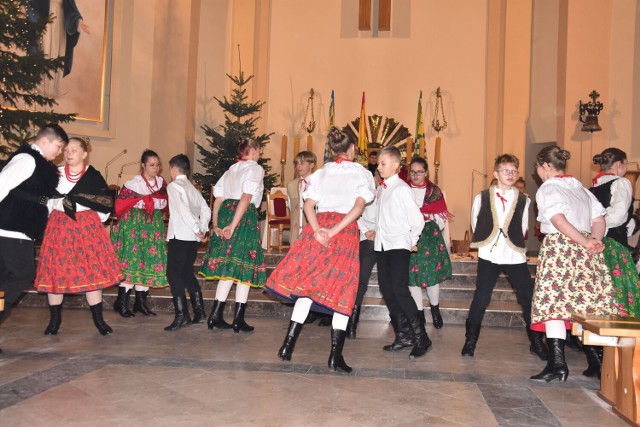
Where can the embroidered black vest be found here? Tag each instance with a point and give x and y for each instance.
(25, 207)
(487, 224)
(603, 194)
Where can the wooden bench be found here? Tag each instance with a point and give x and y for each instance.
(620, 379)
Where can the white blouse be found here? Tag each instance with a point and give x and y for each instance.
(621, 197)
(336, 186)
(64, 186)
(139, 185)
(567, 196)
(244, 177)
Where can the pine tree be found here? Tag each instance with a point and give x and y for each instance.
(240, 119)
(23, 69)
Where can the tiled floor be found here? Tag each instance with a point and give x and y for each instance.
(142, 375)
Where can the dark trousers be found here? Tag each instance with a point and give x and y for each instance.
(393, 278)
(181, 254)
(17, 269)
(488, 273)
(367, 261)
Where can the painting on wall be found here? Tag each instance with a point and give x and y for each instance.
(80, 31)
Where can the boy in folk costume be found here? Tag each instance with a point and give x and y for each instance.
(399, 224)
(27, 181)
(189, 217)
(500, 217)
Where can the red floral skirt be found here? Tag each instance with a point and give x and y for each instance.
(76, 256)
(326, 275)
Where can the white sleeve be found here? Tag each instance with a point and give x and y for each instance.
(205, 214)
(551, 203)
(525, 217)
(218, 188)
(252, 180)
(414, 216)
(621, 197)
(313, 186)
(367, 221)
(18, 170)
(475, 210)
(366, 187)
(180, 205)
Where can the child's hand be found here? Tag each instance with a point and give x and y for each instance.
(594, 246)
(227, 232)
(414, 249)
(217, 231)
(370, 235)
(201, 235)
(322, 236)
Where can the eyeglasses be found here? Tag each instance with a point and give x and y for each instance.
(513, 172)
(418, 173)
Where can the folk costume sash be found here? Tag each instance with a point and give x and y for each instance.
(91, 191)
(128, 198)
(434, 204)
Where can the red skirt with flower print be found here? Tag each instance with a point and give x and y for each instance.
(326, 275)
(76, 256)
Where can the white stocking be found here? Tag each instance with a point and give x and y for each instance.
(55, 299)
(301, 310)
(555, 329)
(94, 297)
(416, 294)
(222, 290)
(140, 288)
(242, 293)
(127, 287)
(339, 321)
(433, 292)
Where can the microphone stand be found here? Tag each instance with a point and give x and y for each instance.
(473, 177)
(106, 168)
(122, 169)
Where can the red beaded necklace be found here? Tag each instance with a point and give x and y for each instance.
(152, 187)
(74, 177)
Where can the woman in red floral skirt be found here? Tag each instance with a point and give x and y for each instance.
(320, 272)
(76, 255)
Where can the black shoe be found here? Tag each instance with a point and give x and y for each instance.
(422, 342)
(121, 305)
(140, 304)
(352, 325)
(290, 339)
(336, 361)
(537, 346)
(199, 314)
(471, 338)
(572, 342)
(55, 320)
(98, 320)
(238, 320)
(436, 316)
(325, 320)
(594, 359)
(182, 317)
(216, 318)
(311, 317)
(403, 335)
(556, 365)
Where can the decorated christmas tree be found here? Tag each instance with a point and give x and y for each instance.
(23, 69)
(240, 119)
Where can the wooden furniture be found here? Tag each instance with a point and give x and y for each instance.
(278, 217)
(1, 300)
(620, 379)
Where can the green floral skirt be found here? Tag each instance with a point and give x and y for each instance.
(626, 285)
(141, 248)
(430, 264)
(240, 258)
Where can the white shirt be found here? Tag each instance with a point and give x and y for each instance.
(64, 186)
(188, 211)
(400, 221)
(501, 253)
(336, 186)
(621, 197)
(139, 185)
(418, 196)
(14, 173)
(367, 221)
(244, 177)
(568, 197)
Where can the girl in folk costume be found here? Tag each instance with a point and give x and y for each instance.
(234, 253)
(76, 254)
(571, 273)
(321, 268)
(139, 236)
(430, 264)
(615, 193)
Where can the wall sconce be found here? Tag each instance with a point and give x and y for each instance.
(591, 109)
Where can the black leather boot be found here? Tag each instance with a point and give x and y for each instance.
(140, 304)
(403, 334)
(121, 305)
(311, 317)
(572, 341)
(238, 320)
(182, 317)
(336, 361)
(422, 342)
(216, 318)
(352, 325)
(437, 317)
(199, 314)
(290, 339)
(556, 365)
(471, 339)
(98, 320)
(55, 320)
(594, 359)
(537, 346)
